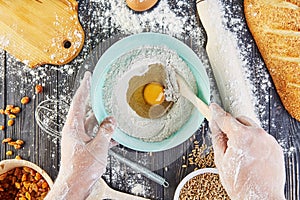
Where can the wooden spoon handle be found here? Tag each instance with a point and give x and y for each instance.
(186, 92)
(198, 103)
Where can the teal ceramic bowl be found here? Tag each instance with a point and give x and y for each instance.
(150, 39)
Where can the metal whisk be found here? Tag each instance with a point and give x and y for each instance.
(50, 116)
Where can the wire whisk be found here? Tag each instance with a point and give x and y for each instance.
(50, 116)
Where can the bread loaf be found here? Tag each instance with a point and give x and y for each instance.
(275, 26)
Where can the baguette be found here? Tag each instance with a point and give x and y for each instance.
(275, 26)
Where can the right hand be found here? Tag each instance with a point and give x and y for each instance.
(249, 160)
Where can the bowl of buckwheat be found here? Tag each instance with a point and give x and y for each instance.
(201, 184)
(21, 179)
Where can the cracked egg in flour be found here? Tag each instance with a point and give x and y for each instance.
(127, 84)
(125, 98)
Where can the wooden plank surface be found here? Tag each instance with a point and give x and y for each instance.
(17, 81)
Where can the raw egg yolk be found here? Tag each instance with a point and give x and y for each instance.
(154, 93)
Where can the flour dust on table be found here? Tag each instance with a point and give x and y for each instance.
(172, 18)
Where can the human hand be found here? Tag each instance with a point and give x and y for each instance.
(249, 160)
(83, 158)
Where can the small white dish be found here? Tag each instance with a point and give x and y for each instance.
(190, 176)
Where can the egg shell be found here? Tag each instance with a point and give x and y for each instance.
(141, 5)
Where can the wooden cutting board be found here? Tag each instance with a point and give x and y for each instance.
(41, 31)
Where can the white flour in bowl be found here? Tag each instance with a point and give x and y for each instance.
(135, 63)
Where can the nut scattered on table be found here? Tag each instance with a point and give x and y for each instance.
(23, 183)
(19, 142)
(38, 89)
(6, 140)
(18, 157)
(16, 144)
(25, 100)
(15, 110)
(11, 111)
(7, 112)
(10, 122)
(12, 116)
(9, 153)
(9, 107)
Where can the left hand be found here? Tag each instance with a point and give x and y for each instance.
(83, 158)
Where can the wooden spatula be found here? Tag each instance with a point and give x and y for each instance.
(41, 31)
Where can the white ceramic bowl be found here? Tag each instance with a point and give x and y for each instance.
(190, 176)
(6, 165)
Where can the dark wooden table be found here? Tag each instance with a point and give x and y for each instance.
(17, 81)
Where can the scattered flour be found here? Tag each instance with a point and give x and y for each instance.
(253, 66)
(102, 19)
(4, 41)
(176, 18)
(224, 55)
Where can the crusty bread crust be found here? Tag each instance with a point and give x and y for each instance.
(275, 26)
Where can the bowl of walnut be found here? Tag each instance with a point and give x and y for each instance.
(21, 179)
(201, 184)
